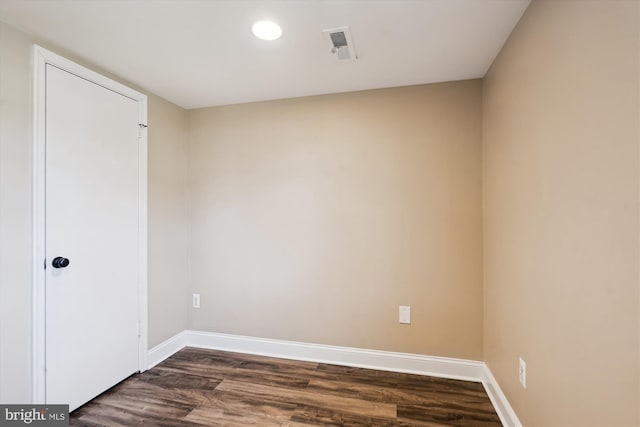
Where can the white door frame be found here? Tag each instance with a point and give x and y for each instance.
(42, 57)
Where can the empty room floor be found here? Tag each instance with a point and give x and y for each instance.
(197, 387)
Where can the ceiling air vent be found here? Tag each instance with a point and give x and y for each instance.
(341, 43)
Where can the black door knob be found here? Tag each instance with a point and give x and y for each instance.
(60, 262)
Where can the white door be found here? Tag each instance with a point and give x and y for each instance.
(91, 219)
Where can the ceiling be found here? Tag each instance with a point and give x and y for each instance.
(199, 53)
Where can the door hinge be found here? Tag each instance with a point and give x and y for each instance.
(141, 127)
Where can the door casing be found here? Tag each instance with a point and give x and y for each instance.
(42, 57)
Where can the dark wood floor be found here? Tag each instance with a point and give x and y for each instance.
(198, 387)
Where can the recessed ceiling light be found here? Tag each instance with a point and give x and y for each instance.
(266, 30)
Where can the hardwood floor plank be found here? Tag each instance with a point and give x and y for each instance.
(314, 415)
(135, 395)
(242, 410)
(187, 397)
(455, 415)
(96, 414)
(340, 404)
(235, 359)
(197, 387)
(405, 381)
(173, 380)
(372, 393)
(297, 379)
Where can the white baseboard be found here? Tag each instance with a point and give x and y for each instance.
(500, 403)
(469, 370)
(444, 367)
(166, 349)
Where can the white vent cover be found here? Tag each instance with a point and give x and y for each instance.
(341, 43)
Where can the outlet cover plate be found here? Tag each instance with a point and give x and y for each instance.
(405, 314)
(522, 372)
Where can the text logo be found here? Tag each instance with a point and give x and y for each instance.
(34, 415)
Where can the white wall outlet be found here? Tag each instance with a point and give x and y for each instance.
(522, 373)
(196, 300)
(405, 314)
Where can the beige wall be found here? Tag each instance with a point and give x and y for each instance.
(561, 183)
(15, 216)
(313, 219)
(168, 135)
(167, 216)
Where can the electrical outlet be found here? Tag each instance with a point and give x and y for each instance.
(405, 314)
(522, 373)
(196, 300)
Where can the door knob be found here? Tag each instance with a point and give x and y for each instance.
(60, 262)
